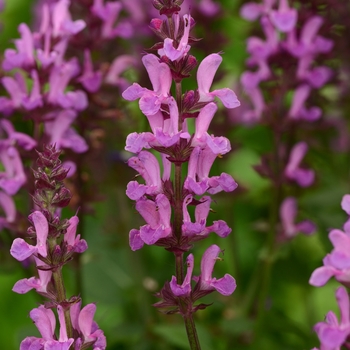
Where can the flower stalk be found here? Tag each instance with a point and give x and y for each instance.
(56, 243)
(163, 200)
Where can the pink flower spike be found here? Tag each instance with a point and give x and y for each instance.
(284, 18)
(185, 288)
(225, 285)
(293, 171)
(205, 77)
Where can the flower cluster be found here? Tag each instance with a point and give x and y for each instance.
(164, 198)
(51, 80)
(13, 177)
(337, 263)
(283, 38)
(285, 64)
(56, 242)
(331, 333)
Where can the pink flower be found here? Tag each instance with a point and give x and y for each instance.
(157, 216)
(225, 285)
(13, 178)
(218, 145)
(185, 288)
(146, 164)
(198, 180)
(109, 13)
(45, 321)
(39, 284)
(62, 24)
(21, 250)
(288, 213)
(118, 66)
(284, 18)
(332, 333)
(198, 230)
(298, 110)
(73, 241)
(160, 76)
(205, 77)
(90, 79)
(8, 206)
(337, 263)
(61, 132)
(83, 322)
(23, 57)
(170, 51)
(293, 171)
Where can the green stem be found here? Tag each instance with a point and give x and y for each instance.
(61, 296)
(178, 214)
(191, 332)
(268, 258)
(185, 306)
(179, 266)
(178, 88)
(61, 290)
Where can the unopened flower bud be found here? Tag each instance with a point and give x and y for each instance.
(156, 24)
(167, 7)
(59, 174)
(190, 63)
(62, 198)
